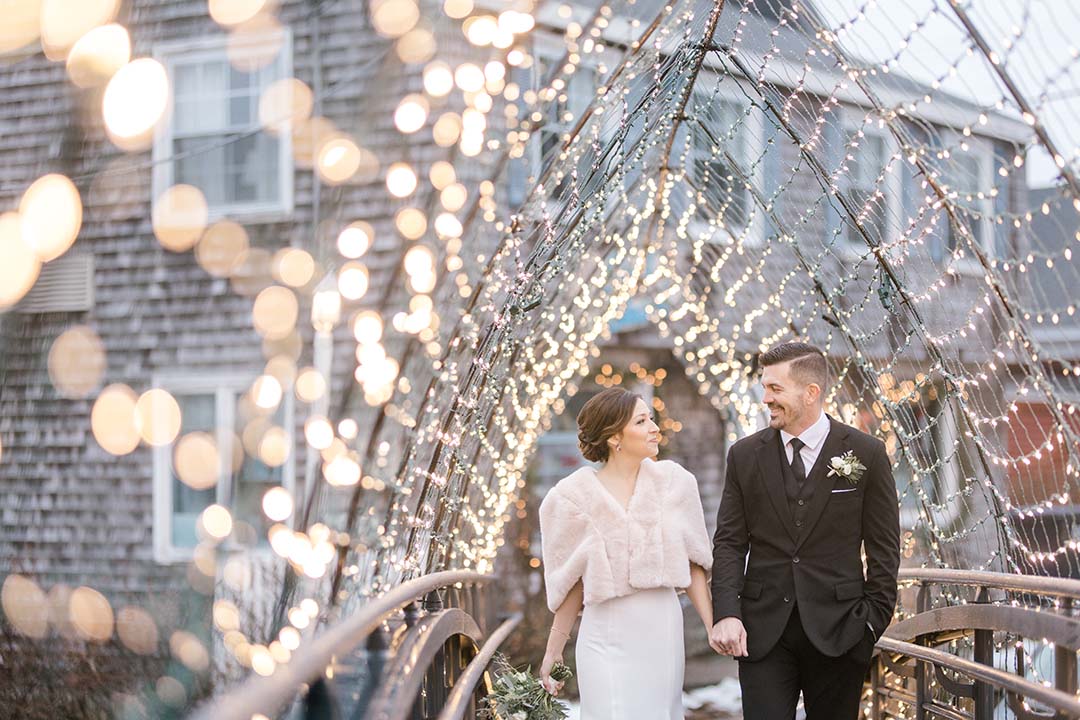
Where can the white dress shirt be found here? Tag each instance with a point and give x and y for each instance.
(813, 439)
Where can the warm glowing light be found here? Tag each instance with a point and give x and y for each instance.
(442, 174)
(338, 160)
(342, 471)
(112, 420)
(438, 79)
(157, 417)
(367, 327)
(401, 180)
(310, 385)
(318, 432)
(24, 605)
(416, 46)
(262, 662)
(411, 223)
(197, 461)
(186, 648)
(480, 29)
(453, 197)
(137, 630)
(234, 12)
(353, 280)
(255, 43)
(275, 312)
(91, 614)
(469, 77)
(285, 101)
(21, 26)
(266, 392)
(98, 55)
(394, 18)
(356, 239)
(458, 9)
(277, 503)
(179, 217)
(76, 362)
(50, 214)
(217, 521)
(64, 22)
(134, 101)
(447, 129)
(294, 267)
(222, 247)
(411, 113)
(275, 447)
(419, 260)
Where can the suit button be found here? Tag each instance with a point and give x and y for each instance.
(802, 502)
(798, 523)
(795, 560)
(787, 599)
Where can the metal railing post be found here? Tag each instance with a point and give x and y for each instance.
(1065, 663)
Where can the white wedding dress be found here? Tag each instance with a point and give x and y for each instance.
(630, 657)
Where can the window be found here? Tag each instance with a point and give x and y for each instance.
(725, 164)
(221, 411)
(212, 134)
(565, 111)
(968, 173)
(870, 170)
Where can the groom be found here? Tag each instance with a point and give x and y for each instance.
(798, 613)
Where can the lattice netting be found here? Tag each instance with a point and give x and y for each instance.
(749, 176)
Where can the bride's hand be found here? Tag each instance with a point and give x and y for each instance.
(551, 685)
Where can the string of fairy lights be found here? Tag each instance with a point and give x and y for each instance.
(738, 166)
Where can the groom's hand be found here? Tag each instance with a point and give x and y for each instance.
(728, 637)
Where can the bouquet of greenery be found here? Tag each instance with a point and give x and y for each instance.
(518, 695)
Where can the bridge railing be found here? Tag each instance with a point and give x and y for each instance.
(417, 653)
(914, 677)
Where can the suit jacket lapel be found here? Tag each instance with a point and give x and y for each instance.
(768, 457)
(821, 484)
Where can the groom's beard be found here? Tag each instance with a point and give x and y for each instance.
(781, 417)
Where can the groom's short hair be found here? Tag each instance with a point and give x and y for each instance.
(807, 362)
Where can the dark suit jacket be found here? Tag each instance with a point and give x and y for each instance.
(818, 566)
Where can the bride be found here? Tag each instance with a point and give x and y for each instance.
(617, 542)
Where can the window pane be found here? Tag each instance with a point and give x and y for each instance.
(201, 164)
(198, 413)
(252, 169)
(253, 479)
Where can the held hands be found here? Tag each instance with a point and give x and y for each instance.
(550, 684)
(728, 637)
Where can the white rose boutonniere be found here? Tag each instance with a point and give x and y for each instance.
(847, 466)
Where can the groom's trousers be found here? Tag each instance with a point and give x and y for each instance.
(831, 686)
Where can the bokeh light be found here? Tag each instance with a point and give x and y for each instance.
(338, 160)
(91, 614)
(217, 521)
(98, 55)
(438, 79)
(277, 503)
(135, 99)
(401, 180)
(24, 606)
(112, 419)
(50, 214)
(394, 18)
(411, 223)
(275, 312)
(76, 362)
(411, 113)
(310, 385)
(157, 417)
(353, 280)
(63, 22)
(137, 630)
(197, 461)
(235, 12)
(355, 239)
(179, 217)
(21, 26)
(222, 248)
(285, 102)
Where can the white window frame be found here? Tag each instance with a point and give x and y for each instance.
(170, 54)
(754, 129)
(853, 121)
(226, 389)
(982, 149)
(548, 49)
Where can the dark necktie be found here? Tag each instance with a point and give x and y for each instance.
(797, 466)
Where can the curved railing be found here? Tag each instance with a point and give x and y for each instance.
(403, 655)
(912, 677)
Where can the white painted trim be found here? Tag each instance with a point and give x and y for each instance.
(203, 49)
(225, 387)
(855, 119)
(982, 149)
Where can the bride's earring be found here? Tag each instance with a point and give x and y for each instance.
(618, 447)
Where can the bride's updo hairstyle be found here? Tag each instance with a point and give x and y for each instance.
(603, 416)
